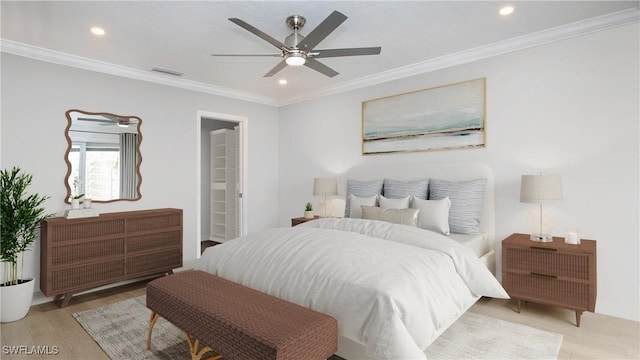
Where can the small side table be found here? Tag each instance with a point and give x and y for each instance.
(300, 220)
(550, 273)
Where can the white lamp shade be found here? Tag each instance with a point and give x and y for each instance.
(540, 189)
(325, 186)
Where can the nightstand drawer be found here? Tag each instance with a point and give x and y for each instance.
(548, 261)
(547, 289)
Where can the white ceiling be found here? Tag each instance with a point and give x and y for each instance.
(414, 35)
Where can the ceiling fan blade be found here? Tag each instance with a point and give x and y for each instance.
(320, 67)
(347, 52)
(259, 33)
(96, 120)
(275, 55)
(321, 31)
(281, 65)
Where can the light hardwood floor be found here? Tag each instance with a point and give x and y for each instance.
(599, 337)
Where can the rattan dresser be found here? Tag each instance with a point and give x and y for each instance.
(85, 253)
(552, 273)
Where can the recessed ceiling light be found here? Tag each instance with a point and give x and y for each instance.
(506, 10)
(97, 31)
(282, 81)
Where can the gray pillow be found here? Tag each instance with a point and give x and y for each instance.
(361, 189)
(398, 189)
(467, 200)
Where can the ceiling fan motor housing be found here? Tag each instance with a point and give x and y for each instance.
(295, 22)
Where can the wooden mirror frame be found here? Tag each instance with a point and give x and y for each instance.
(69, 147)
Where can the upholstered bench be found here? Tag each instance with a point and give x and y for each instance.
(238, 322)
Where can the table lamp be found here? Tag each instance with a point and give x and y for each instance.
(541, 189)
(325, 187)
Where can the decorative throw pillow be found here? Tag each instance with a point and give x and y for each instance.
(467, 200)
(388, 203)
(400, 189)
(357, 202)
(361, 189)
(396, 216)
(433, 215)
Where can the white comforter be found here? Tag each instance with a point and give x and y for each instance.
(393, 288)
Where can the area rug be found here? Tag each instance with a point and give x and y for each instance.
(121, 331)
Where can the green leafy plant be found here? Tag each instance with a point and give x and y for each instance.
(20, 215)
(308, 207)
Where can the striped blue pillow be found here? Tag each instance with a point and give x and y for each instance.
(467, 200)
(399, 189)
(361, 189)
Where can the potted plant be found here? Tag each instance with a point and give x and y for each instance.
(20, 216)
(75, 201)
(308, 211)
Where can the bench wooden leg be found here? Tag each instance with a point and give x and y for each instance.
(193, 344)
(193, 349)
(152, 323)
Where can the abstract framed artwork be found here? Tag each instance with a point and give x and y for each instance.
(439, 118)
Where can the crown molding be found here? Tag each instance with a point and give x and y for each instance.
(60, 58)
(538, 38)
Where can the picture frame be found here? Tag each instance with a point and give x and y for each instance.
(440, 118)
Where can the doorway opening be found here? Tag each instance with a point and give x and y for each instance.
(222, 154)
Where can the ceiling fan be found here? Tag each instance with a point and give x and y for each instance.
(299, 50)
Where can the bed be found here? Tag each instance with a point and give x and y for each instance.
(394, 288)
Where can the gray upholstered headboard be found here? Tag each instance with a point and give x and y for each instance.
(445, 171)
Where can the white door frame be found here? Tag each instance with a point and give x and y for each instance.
(243, 123)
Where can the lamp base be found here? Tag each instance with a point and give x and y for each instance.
(541, 237)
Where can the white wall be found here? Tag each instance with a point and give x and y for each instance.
(569, 107)
(35, 96)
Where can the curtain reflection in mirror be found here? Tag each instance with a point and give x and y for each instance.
(128, 161)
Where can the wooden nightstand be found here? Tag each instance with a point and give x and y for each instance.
(551, 273)
(300, 220)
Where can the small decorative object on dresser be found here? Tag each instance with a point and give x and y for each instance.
(552, 273)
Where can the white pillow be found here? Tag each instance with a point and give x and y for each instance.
(356, 202)
(434, 214)
(396, 216)
(389, 203)
(361, 188)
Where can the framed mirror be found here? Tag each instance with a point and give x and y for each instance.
(103, 156)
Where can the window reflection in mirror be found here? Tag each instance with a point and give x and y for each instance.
(103, 156)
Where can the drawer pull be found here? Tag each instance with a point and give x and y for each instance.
(542, 248)
(543, 275)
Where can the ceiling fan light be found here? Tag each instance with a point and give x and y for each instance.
(295, 60)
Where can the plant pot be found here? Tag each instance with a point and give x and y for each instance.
(16, 300)
(308, 214)
(75, 204)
